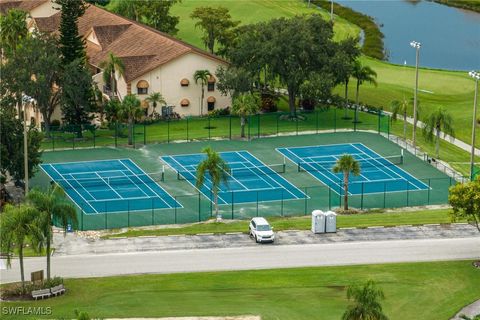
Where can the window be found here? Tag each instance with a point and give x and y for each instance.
(211, 106)
(142, 90)
(142, 87)
(211, 86)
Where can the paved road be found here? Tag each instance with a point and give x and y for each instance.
(257, 257)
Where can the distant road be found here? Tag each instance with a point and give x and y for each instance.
(256, 257)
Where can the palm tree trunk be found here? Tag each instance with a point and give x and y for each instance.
(112, 85)
(345, 190)
(215, 200)
(22, 271)
(242, 125)
(356, 101)
(130, 131)
(405, 126)
(201, 102)
(47, 249)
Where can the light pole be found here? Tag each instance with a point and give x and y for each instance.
(331, 10)
(476, 76)
(25, 100)
(417, 46)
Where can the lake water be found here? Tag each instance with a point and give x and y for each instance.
(450, 37)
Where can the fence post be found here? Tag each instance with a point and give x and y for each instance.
(306, 198)
(94, 132)
(116, 133)
(128, 213)
(249, 122)
(230, 126)
(258, 125)
(168, 131)
(144, 133)
(282, 203)
(73, 140)
(133, 135)
(53, 140)
(257, 204)
(175, 211)
(335, 120)
(329, 198)
(379, 119)
(278, 118)
(407, 193)
(316, 115)
(199, 208)
(361, 199)
(81, 219)
(153, 212)
(233, 204)
(429, 188)
(296, 124)
(209, 129)
(384, 195)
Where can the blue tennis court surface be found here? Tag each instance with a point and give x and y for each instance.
(109, 186)
(378, 174)
(249, 179)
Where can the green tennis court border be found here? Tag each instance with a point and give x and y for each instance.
(198, 208)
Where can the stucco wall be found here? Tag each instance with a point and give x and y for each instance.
(46, 9)
(166, 80)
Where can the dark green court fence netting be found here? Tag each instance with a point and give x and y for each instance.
(209, 127)
(476, 172)
(197, 207)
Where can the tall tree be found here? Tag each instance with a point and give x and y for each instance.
(35, 70)
(346, 164)
(153, 13)
(366, 303)
(111, 65)
(11, 145)
(234, 81)
(362, 74)
(155, 98)
(52, 206)
(465, 201)
(217, 26)
(202, 76)
(72, 44)
(78, 97)
(289, 49)
(17, 230)
(129, 111)
(243, 106)
(437, 122)
(217, 170)
(13, 28)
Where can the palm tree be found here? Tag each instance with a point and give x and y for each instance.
(400, 107)
(346, 164)
(217, 169)
(438, 121)
(130, 109)
(366, 303)
(244, 105)
(17, 227)
(202, 76)
(362, 74)
(53, 206)
(111, 65)
(154, 98)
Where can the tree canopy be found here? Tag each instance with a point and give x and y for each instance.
(292, 51)
(72, 44)
(465, 201)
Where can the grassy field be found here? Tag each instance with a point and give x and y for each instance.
(427, 291)
(303, 223)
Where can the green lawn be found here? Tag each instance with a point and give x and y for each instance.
(303, 223)
(427, 291)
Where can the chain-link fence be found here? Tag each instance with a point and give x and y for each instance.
(213, 127)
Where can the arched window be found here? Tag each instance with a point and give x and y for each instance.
(142, 87)
(185, 103)
(184, 82)
(211, 103)
(211, 83)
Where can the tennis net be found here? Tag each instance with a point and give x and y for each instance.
(246, 171)
(364, 163)
(110, 181)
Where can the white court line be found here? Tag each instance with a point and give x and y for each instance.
(199, 189)
(77, 181)
(279, 176)
(256, 174)
(396, 173)
(74, 189)
(109, 186)
(153, 181)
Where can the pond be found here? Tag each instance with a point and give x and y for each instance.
(450, 37)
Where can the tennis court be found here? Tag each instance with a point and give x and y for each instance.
(249, 179)
(106, 186)
(378, 174)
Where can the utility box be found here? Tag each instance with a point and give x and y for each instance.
(330, 221)
(318, 221)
